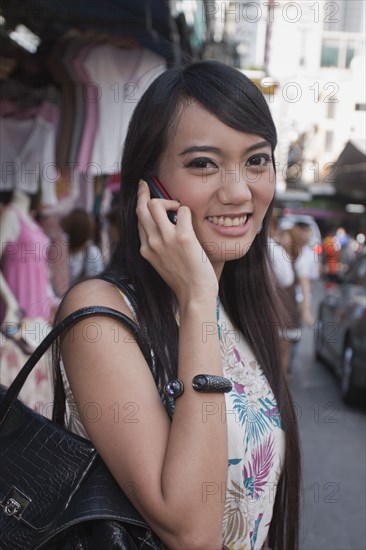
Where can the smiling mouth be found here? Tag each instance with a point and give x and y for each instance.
(228, 222)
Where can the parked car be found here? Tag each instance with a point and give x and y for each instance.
(341, 329)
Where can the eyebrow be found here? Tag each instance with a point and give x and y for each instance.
(218, 151)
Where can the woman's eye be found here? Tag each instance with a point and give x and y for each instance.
(261, 159)
(202, 163)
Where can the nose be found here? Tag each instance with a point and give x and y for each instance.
(234, 189)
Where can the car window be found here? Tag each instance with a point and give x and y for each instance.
(357, 273)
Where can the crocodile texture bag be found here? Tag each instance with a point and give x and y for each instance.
(55, 490)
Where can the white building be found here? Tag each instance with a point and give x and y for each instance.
(317, 53)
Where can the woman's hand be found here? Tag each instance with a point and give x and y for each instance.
(174, 250)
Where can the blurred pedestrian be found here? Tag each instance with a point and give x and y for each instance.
(85, 257)
(296, 242)
(290, 329)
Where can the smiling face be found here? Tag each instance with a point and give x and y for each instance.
(224, 176)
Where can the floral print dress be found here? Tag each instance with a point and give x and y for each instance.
(256, 440)
(256, 444)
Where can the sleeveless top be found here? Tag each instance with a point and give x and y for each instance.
(256, 441)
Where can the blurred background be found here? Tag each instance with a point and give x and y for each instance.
(70, 76)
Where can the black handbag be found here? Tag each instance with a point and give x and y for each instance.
(55, 490)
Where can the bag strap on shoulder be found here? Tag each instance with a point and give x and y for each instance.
(19, 381)
(59, 402)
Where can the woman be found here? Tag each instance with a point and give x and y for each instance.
(207, 134)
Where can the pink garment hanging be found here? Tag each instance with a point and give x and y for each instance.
(25, 268)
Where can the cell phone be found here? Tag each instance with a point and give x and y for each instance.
(158, 191)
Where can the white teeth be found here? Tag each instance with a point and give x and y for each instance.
(228, 222)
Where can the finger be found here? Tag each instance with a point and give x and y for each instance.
(142, 233)
(184, 218)
(168, 204)
(143, 196)
(158, 209)
(146, 225)
(184, 225)
(145, 249)
(154, 204)
(143, 190)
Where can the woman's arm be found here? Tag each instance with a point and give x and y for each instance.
(174, 473)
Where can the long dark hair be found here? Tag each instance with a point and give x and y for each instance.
(246, 289)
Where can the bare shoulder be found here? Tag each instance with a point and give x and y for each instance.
(93, 292)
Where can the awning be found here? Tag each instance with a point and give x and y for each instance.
(146, 21)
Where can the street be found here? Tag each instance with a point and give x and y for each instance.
(333, 442)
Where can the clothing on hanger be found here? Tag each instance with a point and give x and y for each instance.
(27, 157)
(122, 76)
